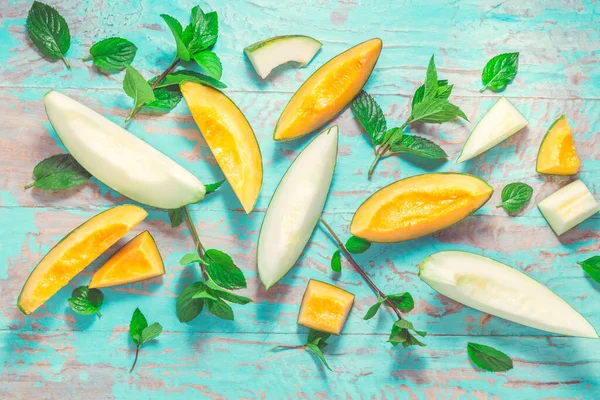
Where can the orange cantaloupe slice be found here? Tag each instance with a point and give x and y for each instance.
(417, 206)
(230, 137)
(138, 260)
(328, 91)
(557, 154)
(325, 307)
(76, 251)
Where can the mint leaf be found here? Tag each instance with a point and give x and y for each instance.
(488, 358)
(356, 245)
(151, 332)
(418, 146)
(223, 271)
(177, 31)
(400, 334)
(212, 187)
(431, 81)
(136, 326)
(226, 295)
(187, 307)
(370, 116)
(136, 87)
(317, 337)
(204, 294)
(190, 258)
(316, 350)
(58, 172)
(179, 77)
(372, 311)
(443, 92)
(499, 71)
(210, 63)
(392, 135)
(336, 262)
(403, 301)
(83, 306)
(177, 216)
(112, 54)
(49, 31)
(205, 30)
(515, 196)
(592, 267)
(219, 309)
(167, 98)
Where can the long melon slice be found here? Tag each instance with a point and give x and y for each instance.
(417, 206)
(230, 138)
(119, 159)
(495, 288)
(295, 207)
(138, 260)
(500, 122)
(75, 252)
(328, 91)
(557, 154)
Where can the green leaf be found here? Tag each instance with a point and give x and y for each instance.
(499, 71)
(223, 271)
(210, 63)
(227, 295)
(205, 30)
(356, 245)
(187, 307)
(166, 99)
(374, 308)
(317, 337)
(316, 350)
(219, 309)
(431, 81)
(112, 54)
(400, 334)
(82, 306)
(187, 34)
(592, 267)
(151, 332)
(136, 87)
(58, 172)
(392, 135)
(370, 116)
(403, 301)
(488, 358)
(204, 294)
(177, 216)
(418, 146)
(49, 31)
(86, 301)
(436, 111)
(443, 92)
(190, 258)
(179, 77)
(336, 262)
(411, 340)
(177, 31)
(404, 324)
(136, 326)
(515, 196)
(212, 187)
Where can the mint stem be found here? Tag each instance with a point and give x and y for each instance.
(359, 269)
(66, 62)
(383, 149)
(90, 58)
(197, 242)
(167, 71)
(137, 350)
(30, 185)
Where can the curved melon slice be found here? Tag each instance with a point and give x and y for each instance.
(419, 205)
(270, 53)
(75, 252)
(557, 155)
(331, 88)
(295, 208)
(138, 260)
(501, 122)
(495, 288)
(325, 307)
(119, 159)
(230, 138)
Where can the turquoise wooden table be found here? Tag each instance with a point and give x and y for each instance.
(54, 353)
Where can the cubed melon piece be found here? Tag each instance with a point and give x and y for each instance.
(325, 307)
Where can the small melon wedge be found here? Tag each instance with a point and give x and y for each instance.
(331, 88)
(501, 122)
(230, 138)
(417, 206)
(138, 260)
(497, 289)
(295, 208)
(325, 307)
(557, 154)
(270, 53)
(75, 252)
(119, 159)
(568, 207)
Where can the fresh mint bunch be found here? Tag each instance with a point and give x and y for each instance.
(141, 332)
(49, 31)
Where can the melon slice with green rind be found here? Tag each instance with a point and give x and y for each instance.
(557, 154)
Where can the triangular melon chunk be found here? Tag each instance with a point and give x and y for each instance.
(557, 155)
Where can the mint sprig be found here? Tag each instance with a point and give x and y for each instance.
(49, 31)
(500, 71)
(86, 301)
(57, 172)
(316, 342)
(141, 332)
(112, 54)
(591, 266)
(488, 358)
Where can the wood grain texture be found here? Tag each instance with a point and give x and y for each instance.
(56, 354)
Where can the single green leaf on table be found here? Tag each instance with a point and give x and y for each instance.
(190, 258)
(177, 31)
(499, 71)
(205, 30)
(219, 309)
(488, 358)
(177, 78)
(223, 271)
(177, 216)
(187, 307)
(369, 114)
(58, 172)
(356, 245)
(336, 262)
(112, 54)
(212, 187)
(443, 91)
(136, 87)
(404, 301)
(210, 63)
(49, 31)
(86, 301)
(515, 196)
(372, 311)
(141, 332)
(418, 146)
(592, 267)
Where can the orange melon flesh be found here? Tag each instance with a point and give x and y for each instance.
(328, 91)
(419, 205)
(136, 261)
(557, 154)
(230, 138)
(325, 307)
(75, 252)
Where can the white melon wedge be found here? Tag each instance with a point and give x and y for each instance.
(501, 122)
(295, 207)
(270, 53)
(119, 159)
(497, 289)
(568, 207)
